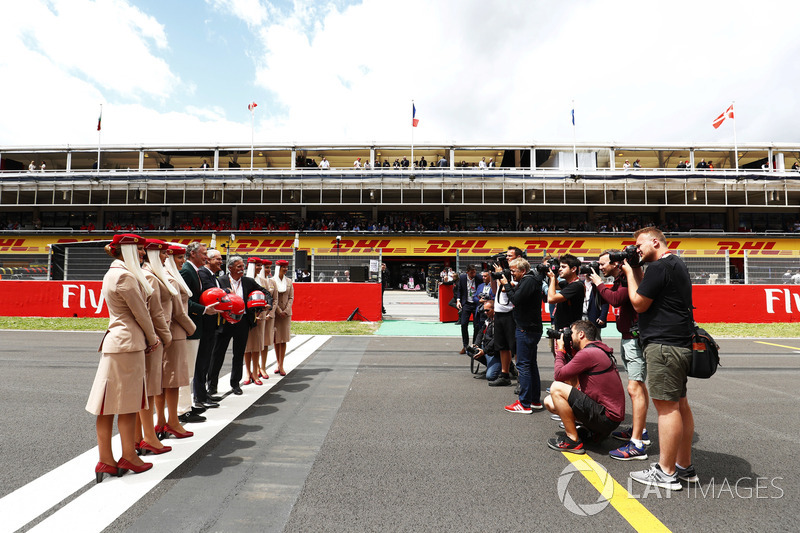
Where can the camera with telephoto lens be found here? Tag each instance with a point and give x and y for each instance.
(547, 266)
(472, 350)
(590, 268)
(565, 334)
(494, 261)
(629, 252)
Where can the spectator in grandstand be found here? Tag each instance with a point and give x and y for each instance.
(404, 163)
(42, 166)
(702, 165)
(787, 277)
(796, 166)
(357, 163)
(119, 385)
(681, 164)
(283, 312)
(324, 164)
(482, 163)
(491, 163)
(599, 403)
(626, 165)
(386, 163)
(204, 166)
(442, 163)
(637, 164)
(423, 163)
(32, 167)
(796, 278)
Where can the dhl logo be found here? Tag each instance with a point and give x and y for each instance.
(260, 246)
(738, 248)
(16, 245)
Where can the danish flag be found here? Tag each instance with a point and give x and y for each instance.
(720, 119)
(252, 106)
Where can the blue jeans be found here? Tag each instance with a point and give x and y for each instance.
(530, 386)
(492, 366)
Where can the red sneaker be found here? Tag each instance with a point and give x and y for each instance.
(517, 407)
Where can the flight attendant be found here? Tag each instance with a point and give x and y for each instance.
(119, 387)
(255, 339)
(160, 306)
(175, 369)
(268, 283)
(283, 312)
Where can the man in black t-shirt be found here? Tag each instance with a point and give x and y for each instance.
(569, 302)
(663, 296)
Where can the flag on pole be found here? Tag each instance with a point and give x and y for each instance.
(414, 119)
(720, 119)
(573, 116)
(252, 106)
(100, 119)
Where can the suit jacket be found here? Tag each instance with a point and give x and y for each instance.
(196, 309)
(129, 326)
(248, 285)
(207, 279)
(460, 291)
(598, 307)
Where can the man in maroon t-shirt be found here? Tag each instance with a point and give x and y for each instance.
(599, 405)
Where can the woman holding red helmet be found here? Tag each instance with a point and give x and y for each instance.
(257, 313)
(268, 324)
(119, 386)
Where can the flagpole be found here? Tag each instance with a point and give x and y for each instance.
(412, 137)
(574, 139)
(99, 133)
(735, 146)
(252, 134)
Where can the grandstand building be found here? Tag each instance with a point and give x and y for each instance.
(470, 190)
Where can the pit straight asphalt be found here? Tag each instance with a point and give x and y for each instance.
(393, 434)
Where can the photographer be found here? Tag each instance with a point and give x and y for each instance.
(485, 293)
(599, 405)
(527, 299)
(636, 437)
(485, 343)
(569, 302)
(465, 291)
(663, 296)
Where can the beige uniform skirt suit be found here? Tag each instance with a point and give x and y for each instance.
(160, 318)
(269, 322)
(283, 325)
(119, 385)
(175, 372)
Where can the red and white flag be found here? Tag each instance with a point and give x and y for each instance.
(252, 106)
(720, 119)
(414, 119)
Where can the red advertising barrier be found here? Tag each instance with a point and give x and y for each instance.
(336, 301)
(312, 301)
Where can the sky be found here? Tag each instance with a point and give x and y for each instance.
(341, 71)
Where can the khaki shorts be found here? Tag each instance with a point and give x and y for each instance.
(667, 370)
(633, 359)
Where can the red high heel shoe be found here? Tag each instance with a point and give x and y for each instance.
(160, 433)
(282, 372)
(263, 375)
(125, 465)
(277, 371)
(146, 448)
(177, 434)
(102, 469)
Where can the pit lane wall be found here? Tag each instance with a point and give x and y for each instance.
(336, 301)
(312, 301)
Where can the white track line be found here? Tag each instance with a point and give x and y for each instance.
(99, 506)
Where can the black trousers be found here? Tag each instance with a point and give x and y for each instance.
(203, 362)
(464, 320)
(238, 332)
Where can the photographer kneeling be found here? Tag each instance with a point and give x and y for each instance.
(599, 405)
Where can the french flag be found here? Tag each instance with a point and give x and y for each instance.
(414, 119)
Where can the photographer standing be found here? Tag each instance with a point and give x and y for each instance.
(465, 291)
(599, 403)
(569, 302)
(527, 299)
(663, 296)
(617, 295)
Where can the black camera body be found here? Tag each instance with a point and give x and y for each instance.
(629, 253)
(472, 350)
(590, 268)
(565, 334)
(551, 265)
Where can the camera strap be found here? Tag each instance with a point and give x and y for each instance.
(610, 355)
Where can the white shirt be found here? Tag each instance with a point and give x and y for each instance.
(325, 164)
(236, 287)
(356, 164)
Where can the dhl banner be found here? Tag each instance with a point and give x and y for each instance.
(336, 301)
(433, 246)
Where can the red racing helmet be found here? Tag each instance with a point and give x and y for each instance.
(215, 295)
(235, 312)
(257, 300)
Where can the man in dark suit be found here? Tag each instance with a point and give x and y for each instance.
(196, 257)
(465, 291)
(237, 283)
(208, 279)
